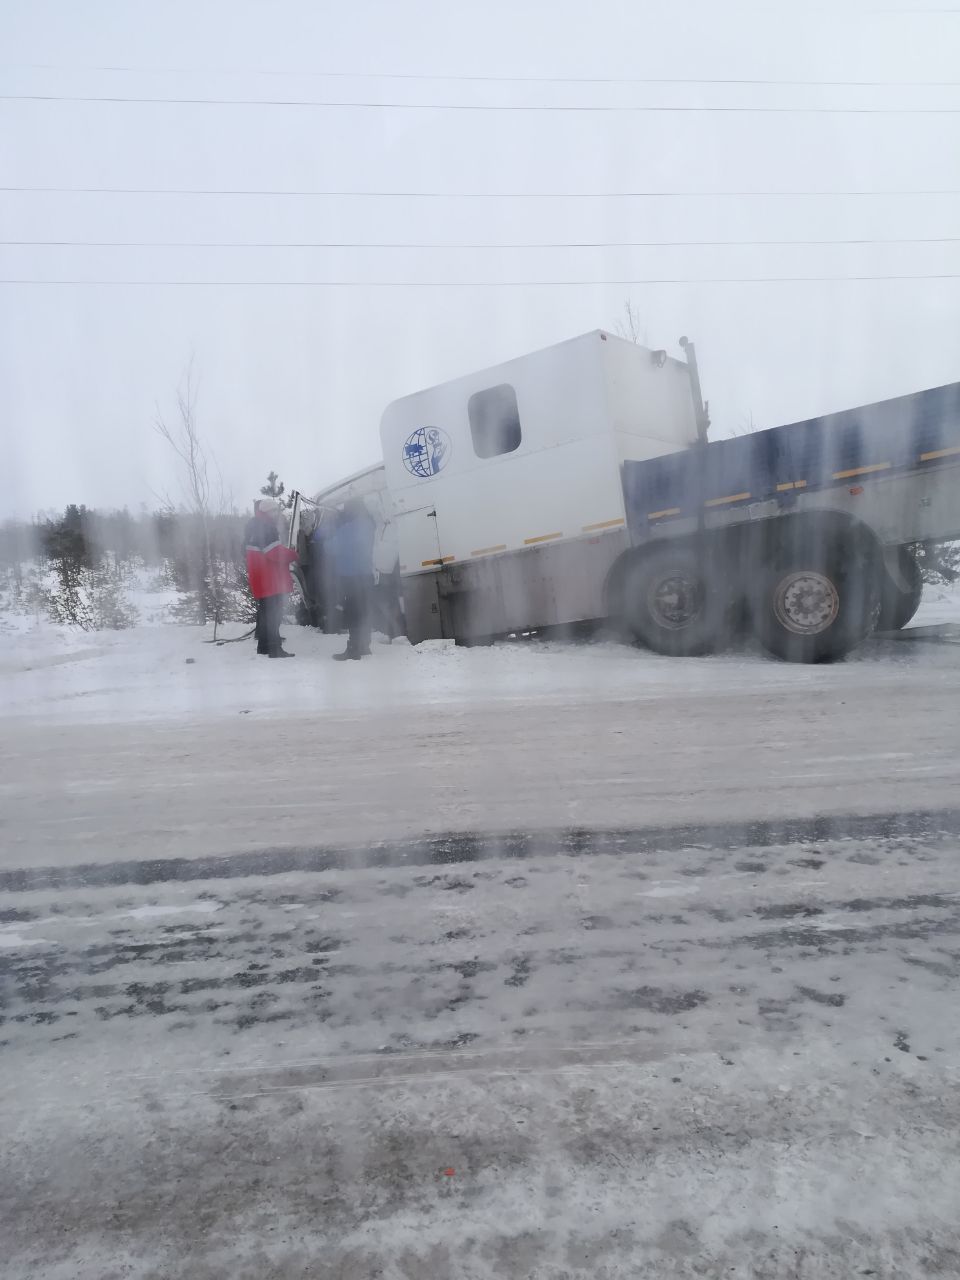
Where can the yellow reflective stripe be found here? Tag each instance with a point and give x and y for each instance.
(667, 511)
(731, 497)
(427, 564)
(862, 471)
(940, 453)
(489, 551)
(603, 524)
(543, 537)
(791, 484)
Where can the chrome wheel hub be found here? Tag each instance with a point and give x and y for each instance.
(806, 603)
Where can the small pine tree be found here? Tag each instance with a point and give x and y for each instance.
(275, 488)
(68, 603)
(93, 599)
(110, 609)
(65, 540)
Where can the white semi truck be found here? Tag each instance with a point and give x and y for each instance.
(577, 484)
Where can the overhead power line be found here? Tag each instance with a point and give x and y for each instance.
(313, 104)
(473, 284)
(307, 193)
(365, 244)
(427, 77)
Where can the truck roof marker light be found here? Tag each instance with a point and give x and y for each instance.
(429, 564)
(542, 537)
(940, 453)
(856, 490)
(862, 471)
(731, 497)
(604, 524)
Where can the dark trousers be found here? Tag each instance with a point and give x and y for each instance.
(269, 613)
(356, 613)
(388, 615)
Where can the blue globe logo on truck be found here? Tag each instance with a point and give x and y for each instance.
(426, 451)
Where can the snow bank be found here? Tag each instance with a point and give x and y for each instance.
(175, 672)
(940, 604)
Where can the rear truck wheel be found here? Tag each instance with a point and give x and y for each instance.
(816, 606)
(900, 594)
(670, 603)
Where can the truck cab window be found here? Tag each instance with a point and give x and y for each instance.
(494, 421)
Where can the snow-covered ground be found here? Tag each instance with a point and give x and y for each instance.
(940, 605)
(166, 672)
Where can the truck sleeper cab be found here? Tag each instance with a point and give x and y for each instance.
(506, 484)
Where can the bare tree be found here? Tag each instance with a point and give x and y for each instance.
(746, 425)
(630, 327)
(183, 437)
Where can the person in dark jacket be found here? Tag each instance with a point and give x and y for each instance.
(268, 572)
(351, 549)
(324, 591)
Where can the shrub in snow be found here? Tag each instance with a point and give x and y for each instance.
(93, 599)
(110, 607)
(21, 591)
(940, 564)
(222, 596)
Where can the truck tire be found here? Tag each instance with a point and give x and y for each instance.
(897, 606)
(817, 605)
(670, 603)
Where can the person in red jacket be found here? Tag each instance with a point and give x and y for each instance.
(268, 572)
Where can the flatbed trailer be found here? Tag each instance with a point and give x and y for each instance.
(804, 527)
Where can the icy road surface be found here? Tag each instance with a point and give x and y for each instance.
(633, 1058)
(539, 962)
(153, 744)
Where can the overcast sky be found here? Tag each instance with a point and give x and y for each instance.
(295, 377)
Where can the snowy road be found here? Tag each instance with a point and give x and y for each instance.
(631, 1057)
(537, 962)
(133, 752)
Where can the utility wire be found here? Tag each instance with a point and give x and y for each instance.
(474, 284)
(489, 79)
(472, 106)
(360, 244)
(467, 195)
